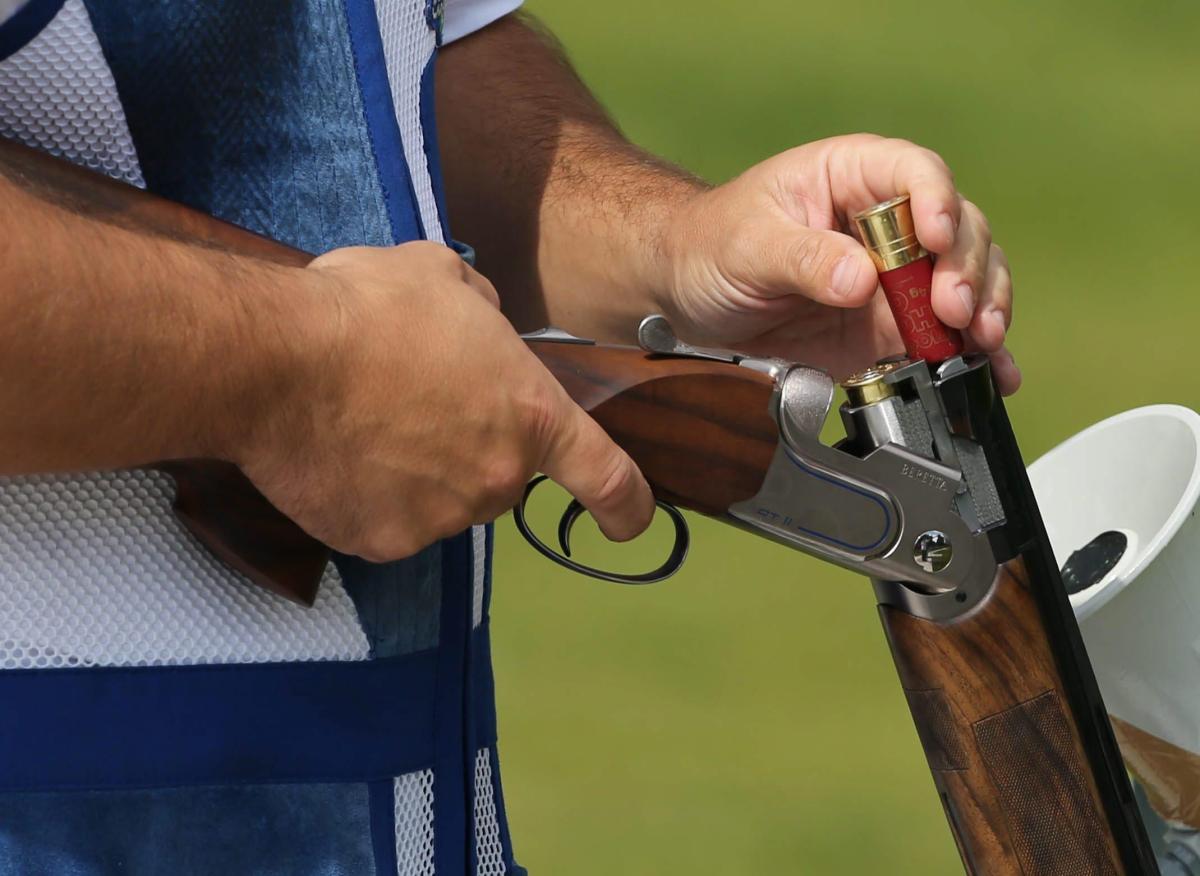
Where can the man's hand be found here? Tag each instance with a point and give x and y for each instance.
(765, 262)
(581, 229)
(424, 413)
(376, 396)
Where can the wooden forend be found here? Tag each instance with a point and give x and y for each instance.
(1001, 743)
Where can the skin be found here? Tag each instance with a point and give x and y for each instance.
(582, 229)
(382, 397)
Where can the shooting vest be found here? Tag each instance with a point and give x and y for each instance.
(158, 714)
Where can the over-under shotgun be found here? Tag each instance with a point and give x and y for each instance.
(927, 495)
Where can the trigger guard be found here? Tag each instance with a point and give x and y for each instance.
(571, 516)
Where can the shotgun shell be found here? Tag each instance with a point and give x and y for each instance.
(870, 385)
(906, 275)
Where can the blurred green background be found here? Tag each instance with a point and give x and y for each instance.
(745, 717)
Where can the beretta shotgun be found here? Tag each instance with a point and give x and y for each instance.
(927, 495)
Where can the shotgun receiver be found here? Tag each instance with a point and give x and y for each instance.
(927, 495)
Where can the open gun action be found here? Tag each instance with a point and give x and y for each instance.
(927, 495)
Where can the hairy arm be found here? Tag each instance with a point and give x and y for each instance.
(566, 215)
(134, 331)
(120, 346)
(581, 229)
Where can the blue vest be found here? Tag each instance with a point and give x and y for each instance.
(223, 746)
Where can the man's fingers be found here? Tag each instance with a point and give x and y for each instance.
(1006, 372)
(593, 469)
(972, 289)
(787, 258)
(994, 314)
(886, 168)
(960, 275)
(936, 209)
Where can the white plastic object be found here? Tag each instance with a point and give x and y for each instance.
(1139, 473)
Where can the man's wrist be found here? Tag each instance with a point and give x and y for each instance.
(669, 241)
(632, 217)
(280, 346)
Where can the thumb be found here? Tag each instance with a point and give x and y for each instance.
(584, 460)
(825, 266)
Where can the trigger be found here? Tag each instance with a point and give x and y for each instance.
(567, 523)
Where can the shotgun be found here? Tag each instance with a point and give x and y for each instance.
(927, 495)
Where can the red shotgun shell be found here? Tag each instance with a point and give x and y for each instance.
(906, 274)
(924, 335)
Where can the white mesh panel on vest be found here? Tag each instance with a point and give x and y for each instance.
(488, 848)
(95, 570)
(414, 824)
(58, 95)
(408, 44)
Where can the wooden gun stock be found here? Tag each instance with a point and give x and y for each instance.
(223, 509)
(700, 431)
(675, 417)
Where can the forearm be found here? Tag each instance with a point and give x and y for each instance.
(133, 330)
(121, 347)
(565, 213)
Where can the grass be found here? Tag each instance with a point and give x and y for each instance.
(745, 718)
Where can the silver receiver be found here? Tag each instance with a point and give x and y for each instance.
(906, 498)
(889, 500)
